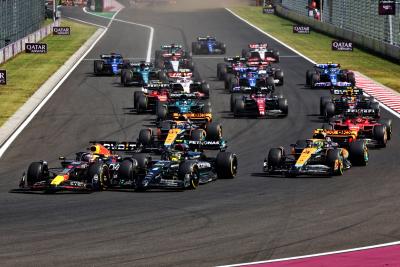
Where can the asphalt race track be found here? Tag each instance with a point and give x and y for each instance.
(250, 218)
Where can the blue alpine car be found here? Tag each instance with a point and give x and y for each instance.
(208, 45)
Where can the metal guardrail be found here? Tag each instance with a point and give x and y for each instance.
(18, 18)
(359, 16)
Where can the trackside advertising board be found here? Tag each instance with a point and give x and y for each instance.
(387, 7)
(35, 48)
(341, 45)
(302, 29)
(61, 31)
(3, 77)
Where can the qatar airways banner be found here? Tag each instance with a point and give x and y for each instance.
(340, 45)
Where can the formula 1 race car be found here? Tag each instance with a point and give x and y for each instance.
(348, 99)
(185, 106)
(141, 74)
(259, 103)
(260, 52)
(179, 168)
(250, 77)
(328, 75)
(315, 157)
(182, 82)
(231, 65)
(109, 64)
(208, 45)
(348, 128)
(148, 99)
(89, 171)
(169, 132)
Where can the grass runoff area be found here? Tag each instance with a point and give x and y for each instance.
(317, 46)
(27, 72)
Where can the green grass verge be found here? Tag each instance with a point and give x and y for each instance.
(27, 72)
(318, 47)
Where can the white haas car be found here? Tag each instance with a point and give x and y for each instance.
(260, 52)
(182, 81)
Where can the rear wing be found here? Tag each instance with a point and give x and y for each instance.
(171, 46)
(157, 86)
(206, 38)
(366, 112)
(118, 146)
(235, 59)
(112, 55)
(166, 55)
(327, 65)
(181, 74)
(207, 145)
(258, 46)
(183, 95)
(340, 91)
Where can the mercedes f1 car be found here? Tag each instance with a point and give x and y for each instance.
(328, 75)
(315, 157)
(208, 45)
(109, 64)
(179, 168)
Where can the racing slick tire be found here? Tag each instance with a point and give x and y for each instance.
(145, 138)
(271, 83)
(127, 169)
(161, 112)
(136, 96)
(189, 174)
(335, 161)
(358, 153)
(309, 73)
(228, 77)
(275, 54)
(194, 46)
(123, 76)
(329, 110)
(226, 164)
(275, 158)
(245, 52)
(322, 103)
(351, 78)
(98, 176)
(143, 160)
(379, 134)
(239, 107)
(221, 71)
(214, 131)
(283, 106)
(388, 124)
(198, 135)
(205, 89)
(376, 108)
(314, 79)
(279, 76)
(98, 67)
(234, 97)
(36, 172)
(232, 83)
(142, 104)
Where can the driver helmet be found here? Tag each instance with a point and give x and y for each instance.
(88, 157)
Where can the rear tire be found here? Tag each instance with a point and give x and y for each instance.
(283, 106)
(162, 112)
(189, 174)
(335, 161)
(145, 138)
(388, 124)
(198, 135)
(221, 71)
(358, 153)
(329, 110)
(214, 132)
(142, 104)
(239, 107)
(98, 67)
(98, 176)
(127, 169)
(379, 133)
(226, 165)
(234, 97)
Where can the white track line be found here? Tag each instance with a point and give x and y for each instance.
(11, 139)
(315, 255)
(86, 22)
(297, 52)
(150, 44)
(320, 254)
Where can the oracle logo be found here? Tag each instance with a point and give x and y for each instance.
(34, 48)
(338, 45)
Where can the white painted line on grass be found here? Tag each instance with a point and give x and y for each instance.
(151, 36)
(20, 128)
(297, 52)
